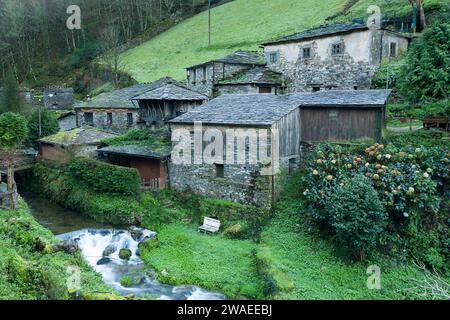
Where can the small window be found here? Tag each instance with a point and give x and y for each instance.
(219, 170)
(337, 48)
(204, 73)
(315, 89)
(130, 119)
(355, 88)
(89, 118)
(273, 57)
(333, 114)
(306, 53)
(109, 118)
(265, 90)
(194, 76)
(393, 50)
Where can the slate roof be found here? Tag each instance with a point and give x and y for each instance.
(239, 57)
(265, 109)
(121, 98)
(171, 91)
(137, 151)
(77, 136)
(323, 30)
(256, 75)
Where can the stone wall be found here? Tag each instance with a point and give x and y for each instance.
(215, 71)
(67, 123)
(119, 120)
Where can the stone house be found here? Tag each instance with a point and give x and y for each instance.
(165, 100)
(111, 111)
(63, 146)
(255, 80)
(336, 56)
(234, 146)
(58, 98)
(216, 76)
(67, 121)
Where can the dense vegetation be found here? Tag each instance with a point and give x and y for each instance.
(30, 269)
(410, 181)
(104, 177)
(13, 130)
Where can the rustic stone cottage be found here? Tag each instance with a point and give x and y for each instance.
(67, 121)
(255, 134)
(111, 111)
(234, 73)
(63, 146)
(336, 56)
(165, 100)
(58, 98)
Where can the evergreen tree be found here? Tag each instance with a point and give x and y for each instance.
(10, 98)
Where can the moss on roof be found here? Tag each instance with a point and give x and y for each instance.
(256, 75)
(84, 135)
(157, 141)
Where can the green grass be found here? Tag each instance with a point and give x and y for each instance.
(394, 123)
(241, 24)
(27, 273)
(212, 262)
(304, 266)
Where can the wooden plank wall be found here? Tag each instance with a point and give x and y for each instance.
(289, 133)
(339, 124)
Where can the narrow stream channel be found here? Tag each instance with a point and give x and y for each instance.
(100, 245)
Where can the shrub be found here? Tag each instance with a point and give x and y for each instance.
(13, 130)
(357, 214)
(104, 177)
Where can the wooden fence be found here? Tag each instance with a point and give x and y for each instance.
(152, 184)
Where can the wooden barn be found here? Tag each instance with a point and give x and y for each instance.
(343, 115)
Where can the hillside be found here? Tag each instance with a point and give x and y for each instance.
(241, 24)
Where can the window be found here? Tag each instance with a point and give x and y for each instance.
(315, 89)
(204, 73)
(219, 170)
(194, 76)
(337, 48)
(130, 119)
(355, 88)
(265, 90)
(109, 118)
(333, 114)
(273, 57)
(89, 118)
(393, 50)
(306, 53)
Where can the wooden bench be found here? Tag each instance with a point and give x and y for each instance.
(209, 225)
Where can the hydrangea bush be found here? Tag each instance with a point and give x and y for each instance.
(409, 181)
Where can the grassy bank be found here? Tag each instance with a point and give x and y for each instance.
(303, 266)
(181, 255)
(27, 270)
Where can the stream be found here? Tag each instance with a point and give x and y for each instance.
(100, 245)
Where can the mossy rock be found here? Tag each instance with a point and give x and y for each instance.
(102, 296)
(125, 254)
(126, 281)
(149, 245)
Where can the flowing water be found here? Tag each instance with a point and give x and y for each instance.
(100, 245)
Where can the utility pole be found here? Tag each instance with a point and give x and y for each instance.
(209, 22)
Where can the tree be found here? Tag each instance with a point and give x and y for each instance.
(111, 42)
(13, 130)
(42, 123)
(418, 5)
(10, 99)
(425, 75)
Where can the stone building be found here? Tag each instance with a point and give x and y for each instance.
(63, 146)
(67, 121)
(111, 111)
(338, 56)
(234, 146)
(58, 98)
(204, 77)
(254, 80)
(165, 100)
